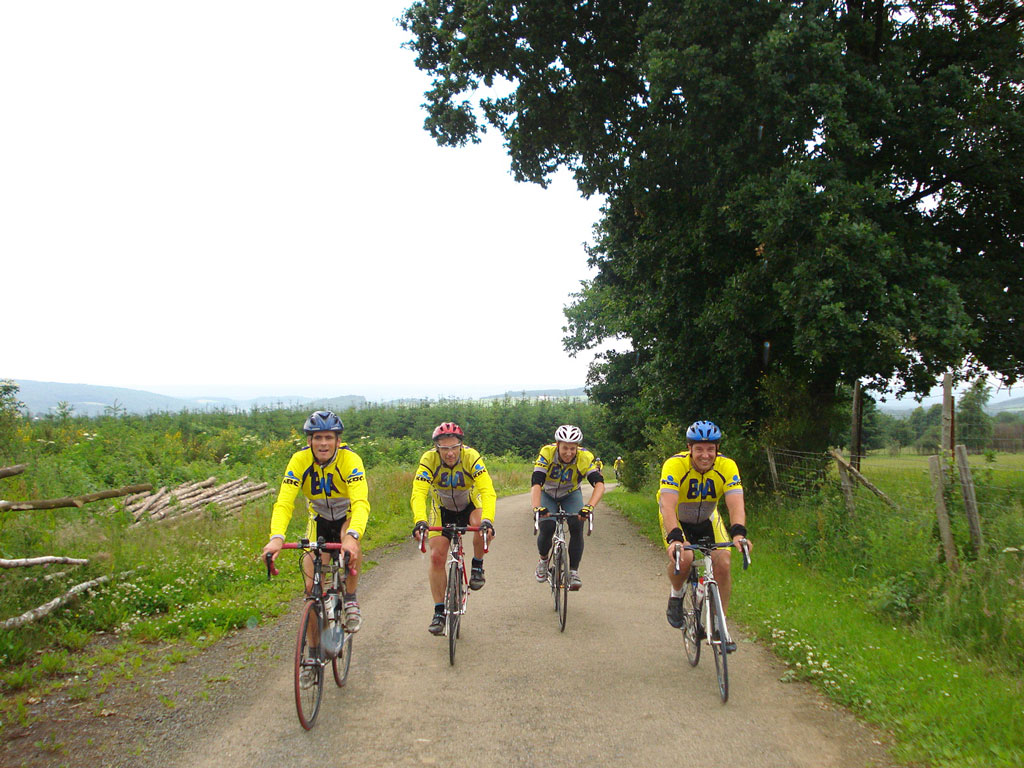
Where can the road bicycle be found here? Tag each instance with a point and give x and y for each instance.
(558, 560)
(456, 593)
(323, 619)
(703, 615)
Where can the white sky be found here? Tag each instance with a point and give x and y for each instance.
(238, 198)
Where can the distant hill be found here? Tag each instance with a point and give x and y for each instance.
(1013, 404)
(42, 397)
(541, 394)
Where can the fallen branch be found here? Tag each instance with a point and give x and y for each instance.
(73, 501)
(44, 560)
(862, 480)
(17, 469)
(46, 608)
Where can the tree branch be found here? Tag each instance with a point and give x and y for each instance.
(74, 501)
(45, 560)
(17, 469)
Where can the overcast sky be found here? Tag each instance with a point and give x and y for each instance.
(238, 198)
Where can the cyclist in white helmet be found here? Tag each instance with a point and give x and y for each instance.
(557, 473)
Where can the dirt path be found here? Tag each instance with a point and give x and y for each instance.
(614, 688)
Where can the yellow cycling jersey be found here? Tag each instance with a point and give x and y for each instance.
(698, 493)
(562, 479)
(453, 488)
(333, 490)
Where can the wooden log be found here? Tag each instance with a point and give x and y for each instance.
(947, 413)
(970, 500)
(945, 532)
(17, 469)
(863, 480)
(150, 502)
(73, 501)
(37, 613)
(44, 560)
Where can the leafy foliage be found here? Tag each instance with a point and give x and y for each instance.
(798, 194)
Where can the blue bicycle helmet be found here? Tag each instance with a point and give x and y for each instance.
(323, 421)
(703, 432)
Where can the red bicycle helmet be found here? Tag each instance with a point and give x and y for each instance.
(447, 428)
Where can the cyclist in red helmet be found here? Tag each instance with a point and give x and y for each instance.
(331, 477)
(461, 492)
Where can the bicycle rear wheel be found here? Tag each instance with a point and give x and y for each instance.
(309, 667)
(341, 662)
(691, 620)
(718, 639)
(452, 606)
(563, 586)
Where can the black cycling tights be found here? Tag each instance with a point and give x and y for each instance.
(547, 531)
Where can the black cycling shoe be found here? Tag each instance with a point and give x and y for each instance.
(675, 612)
(476, 578)
(436, 624)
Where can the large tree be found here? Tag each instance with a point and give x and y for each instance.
(798, 194)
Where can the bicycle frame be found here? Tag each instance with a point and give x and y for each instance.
(712, 614)
(456, 557)
(321, 614)
(558, 560)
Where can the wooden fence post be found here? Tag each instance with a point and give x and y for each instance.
(970, 500)
(857, 419)
(847, 486)
(771, 468)
(945, 534)
(947, 414)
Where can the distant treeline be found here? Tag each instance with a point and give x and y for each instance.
(71, 454)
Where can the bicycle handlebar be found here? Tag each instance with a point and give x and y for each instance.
(706, 550)
(562, 515)
(456, 529)
(314, 546)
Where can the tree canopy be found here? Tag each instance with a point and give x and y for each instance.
(798, 194)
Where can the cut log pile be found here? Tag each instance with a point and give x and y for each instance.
(190, 499)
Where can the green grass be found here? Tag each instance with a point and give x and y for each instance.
(943, 706)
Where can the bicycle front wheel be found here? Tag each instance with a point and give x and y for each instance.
(309, 666)
(718, 640)
(555, 574)
(691, 622)
(563, 587)
(452, 607)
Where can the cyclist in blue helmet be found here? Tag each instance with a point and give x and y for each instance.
(331, 477)
(692, 482)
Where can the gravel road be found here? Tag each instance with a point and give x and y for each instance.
(614, 688)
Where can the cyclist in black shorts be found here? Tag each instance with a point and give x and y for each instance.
(461, 493)
(331, 477)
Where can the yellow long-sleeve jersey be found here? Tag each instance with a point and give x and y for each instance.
(452, 487)
(334, 491)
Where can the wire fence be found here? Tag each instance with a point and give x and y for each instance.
(904, 487)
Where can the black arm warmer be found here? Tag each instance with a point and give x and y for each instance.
(736, 529)
(595, 478)
(537, 478)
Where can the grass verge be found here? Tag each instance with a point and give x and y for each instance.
(941, 707)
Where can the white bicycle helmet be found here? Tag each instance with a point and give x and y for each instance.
(567, 433)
